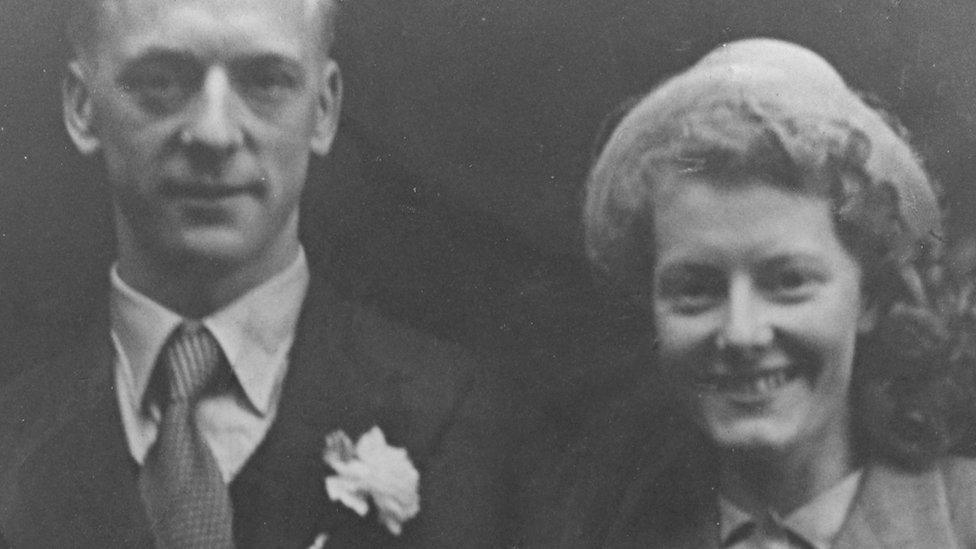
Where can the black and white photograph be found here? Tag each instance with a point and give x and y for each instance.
(488, 274)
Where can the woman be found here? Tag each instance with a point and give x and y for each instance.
(783, 239)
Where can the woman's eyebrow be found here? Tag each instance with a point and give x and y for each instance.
(685, 269)
(802, 257)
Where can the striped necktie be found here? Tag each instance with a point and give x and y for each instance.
(186, 499)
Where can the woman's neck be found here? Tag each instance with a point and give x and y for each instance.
(783, 481)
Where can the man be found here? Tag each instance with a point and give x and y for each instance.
(220, 400)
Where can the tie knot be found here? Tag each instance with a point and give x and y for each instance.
(190, 360)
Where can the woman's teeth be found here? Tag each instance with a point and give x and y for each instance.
(756, 383)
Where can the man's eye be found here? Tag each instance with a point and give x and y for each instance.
(267, 84)
(158, 89)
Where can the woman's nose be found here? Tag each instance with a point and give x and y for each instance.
(746, 321)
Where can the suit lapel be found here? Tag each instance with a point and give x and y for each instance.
(279, 497)
(79, 481)
(899, 509)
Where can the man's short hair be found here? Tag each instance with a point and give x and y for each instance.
(84, 17)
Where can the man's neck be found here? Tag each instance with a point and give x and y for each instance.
(197, 288)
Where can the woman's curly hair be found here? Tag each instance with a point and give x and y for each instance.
(790, 120)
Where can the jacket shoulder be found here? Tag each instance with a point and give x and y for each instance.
(447, 408)
(429, 381)
(624, 470)
(39, 400)
(393, 342)
(959, 478)
(36, 396)
(434, 373)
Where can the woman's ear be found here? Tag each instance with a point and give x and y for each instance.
(76, 102)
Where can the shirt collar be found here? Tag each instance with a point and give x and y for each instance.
(254, 331)
(818, 521)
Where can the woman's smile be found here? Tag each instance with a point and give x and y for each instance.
(757, 305)
(758, 385)
(779, 236)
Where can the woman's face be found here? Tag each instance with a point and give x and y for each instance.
(756, 308)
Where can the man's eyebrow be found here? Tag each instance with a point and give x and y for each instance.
(161, 55)
(268, 59)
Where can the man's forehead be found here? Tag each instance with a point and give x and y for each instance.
(310, 7)
(129, 23)
(118, 15)
(114, 9)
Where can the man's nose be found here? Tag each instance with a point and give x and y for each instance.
(214, 121)
(746, 324)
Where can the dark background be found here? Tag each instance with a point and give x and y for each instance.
(451, 198)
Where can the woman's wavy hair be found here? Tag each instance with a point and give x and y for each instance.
(777, 112)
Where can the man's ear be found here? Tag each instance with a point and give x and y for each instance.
(328, 108)
(76, 102)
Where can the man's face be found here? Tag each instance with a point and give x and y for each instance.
(205, 112)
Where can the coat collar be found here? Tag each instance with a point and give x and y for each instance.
(896, 508)
(893, 507)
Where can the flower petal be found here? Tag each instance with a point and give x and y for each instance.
(392, 524)
(338, 448)
(372, 470)
(350, 493)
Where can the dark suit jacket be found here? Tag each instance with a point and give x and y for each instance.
(634, 488)
(67, 479)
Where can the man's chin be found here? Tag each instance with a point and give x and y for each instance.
(209, 250)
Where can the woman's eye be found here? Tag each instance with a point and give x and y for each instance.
(791, 284)
(690, 293)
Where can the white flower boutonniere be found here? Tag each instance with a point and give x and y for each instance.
(373, 471)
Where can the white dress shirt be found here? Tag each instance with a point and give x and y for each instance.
(255, 332)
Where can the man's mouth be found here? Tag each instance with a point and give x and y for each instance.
(207, 189)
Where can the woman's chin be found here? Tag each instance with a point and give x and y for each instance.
(754, 439)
